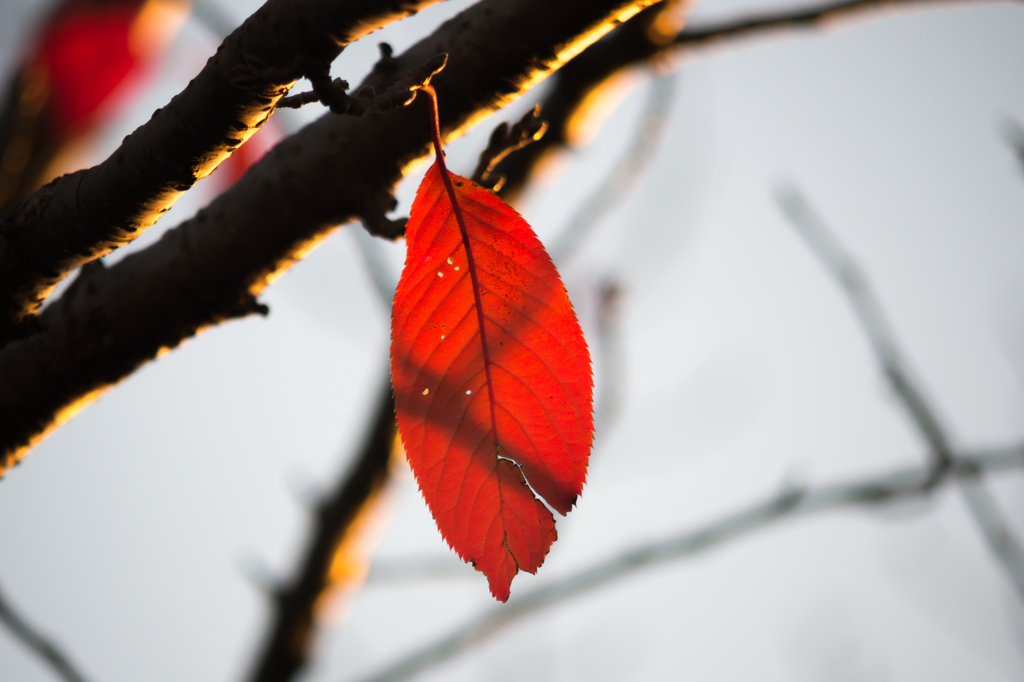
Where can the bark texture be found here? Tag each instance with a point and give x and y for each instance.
(84, 215)
(210, 268)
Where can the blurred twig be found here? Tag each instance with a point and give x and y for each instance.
(902, 484)
(1013, 134)
(611, 357)
(42, 646)
(383, 278)
(869, 313)
(337, 558)
(624, 175)
(924, 417)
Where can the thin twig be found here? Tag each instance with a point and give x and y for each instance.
(41, 645)
(624, 175)
(869, 313)
(830, 15)
(504, 141)
(865, 304)
(333, 94)
(903, 484)
(611, 357)
(210, 14)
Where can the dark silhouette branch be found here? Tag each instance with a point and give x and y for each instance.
(830, 16)
(334, 563)
(642, 39)
(333, 93)
(82, 216)
(922, 414)
(210, 268)
(38, 643)
(627, 45)
(505, 140)
(789, 503)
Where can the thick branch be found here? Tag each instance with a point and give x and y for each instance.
(332, 561)
(904, 484)
(210, 268)
(82, 216)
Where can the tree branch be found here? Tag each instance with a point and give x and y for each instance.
(82, 216)
(38, 643)
(830, 16)
(336, 561)
(903, 484)
(642, 40)
(628, 170)
(868, 310)
(210, 268)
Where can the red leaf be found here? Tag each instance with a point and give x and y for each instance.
(492, 379)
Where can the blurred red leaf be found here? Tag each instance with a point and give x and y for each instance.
(87, 56)
(88, 59)
(492, 379)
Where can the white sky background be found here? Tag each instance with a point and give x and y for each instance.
(126, 533)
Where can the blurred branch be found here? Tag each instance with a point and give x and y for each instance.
(1013, 134)
(40, 645)
(211, 14)
(623, 176)
(830, 16)
(611, 356)
(648, 37)
(865, 304)
(384, 281)
(857, 288)
(790, 503)
(337, 558)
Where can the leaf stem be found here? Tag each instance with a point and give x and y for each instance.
(435, 120)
